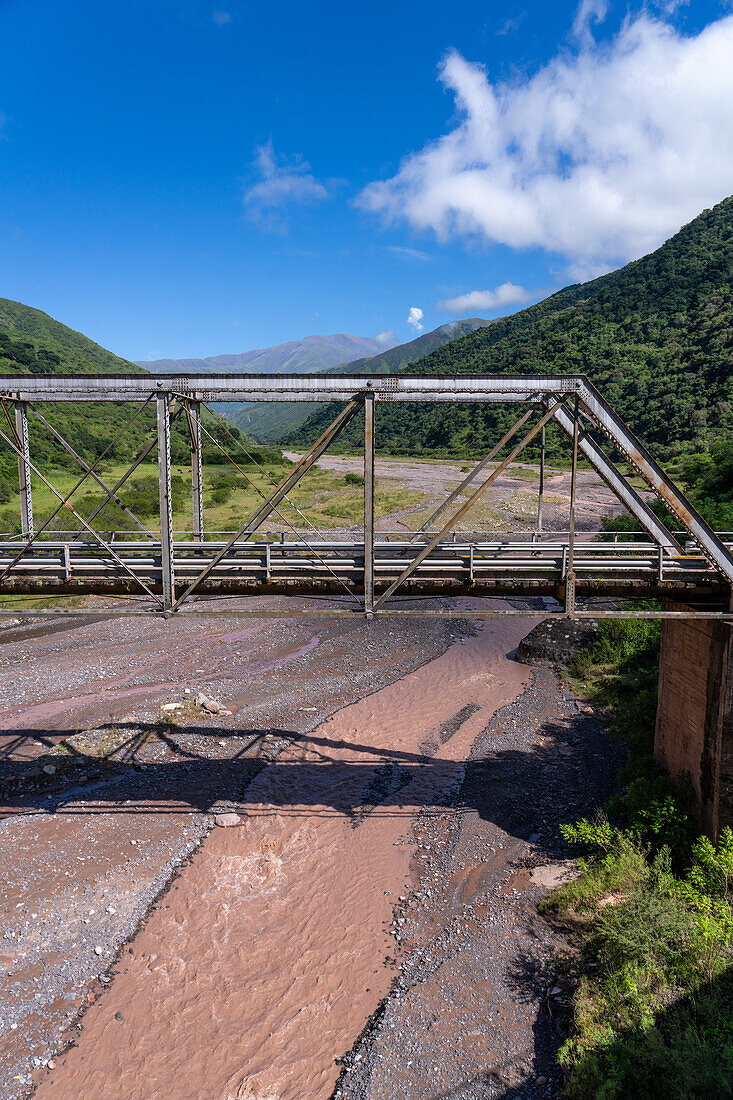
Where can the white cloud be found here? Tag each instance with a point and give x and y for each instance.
(408, 253)
(386, 339)
(511, 25)
(599, 157)
(508, 294)
(589, 11)
(280, 185)
(221, 18)
(415, 317)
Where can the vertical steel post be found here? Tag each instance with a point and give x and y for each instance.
(540, 501)
(570, 574)
(369, 503)
(164, 493)
(197, 486)
(66, 561)
(24, 471)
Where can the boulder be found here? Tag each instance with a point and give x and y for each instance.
(556, 642)
(209, 705)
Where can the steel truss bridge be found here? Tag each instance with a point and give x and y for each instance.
(690, 567)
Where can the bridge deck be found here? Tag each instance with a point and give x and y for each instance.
(299, 567)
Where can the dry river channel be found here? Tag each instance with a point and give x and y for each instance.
(368, 929)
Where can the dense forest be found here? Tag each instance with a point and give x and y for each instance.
(656, 337)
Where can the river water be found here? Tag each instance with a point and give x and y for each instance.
(265, 959)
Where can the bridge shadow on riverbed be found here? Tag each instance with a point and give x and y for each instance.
(158, 769)
(521, 779)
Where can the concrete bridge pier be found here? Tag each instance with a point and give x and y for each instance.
(694, 731)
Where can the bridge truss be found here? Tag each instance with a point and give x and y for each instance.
(373, 574)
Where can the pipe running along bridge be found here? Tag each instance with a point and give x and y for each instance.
(373, 574)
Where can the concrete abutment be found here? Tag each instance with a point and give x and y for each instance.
(694, 731)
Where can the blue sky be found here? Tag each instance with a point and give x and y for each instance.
(182, 178)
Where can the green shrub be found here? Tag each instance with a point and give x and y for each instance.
(142, 497)
(656, 989)
(684, 1053)
(654, 808)
(712, 870)
(646, 938)
(620, 867)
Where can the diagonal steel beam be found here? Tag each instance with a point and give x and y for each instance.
(65, 504)
(474, 472)
(637, 455)
(430, 546)
(19, 431)
(618, 484)
(64, 500)
(131, 470)
(278, 493)
(111, 494)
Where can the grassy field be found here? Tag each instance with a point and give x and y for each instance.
(323, 499)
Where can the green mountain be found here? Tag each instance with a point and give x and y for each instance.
(656, 337)
(31, 341)
(270, 421)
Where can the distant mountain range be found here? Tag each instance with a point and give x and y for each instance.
(307, 356)
(270, 421)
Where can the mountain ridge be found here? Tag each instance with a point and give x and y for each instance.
(307, 355)
(656, 336)
(269, 421)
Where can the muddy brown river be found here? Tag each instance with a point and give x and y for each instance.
(396, 786)
(267, 958)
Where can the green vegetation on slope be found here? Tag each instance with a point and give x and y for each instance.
(707, 480)
(651, 910)
(656, 337)
(32, 342)
(653, 1005)
(269, 421)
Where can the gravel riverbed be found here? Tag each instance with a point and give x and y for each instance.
(400, 782)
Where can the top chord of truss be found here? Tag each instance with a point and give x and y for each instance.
(285, 387)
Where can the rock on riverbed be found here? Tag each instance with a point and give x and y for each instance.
(556, 642)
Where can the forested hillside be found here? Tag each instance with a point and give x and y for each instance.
(32, 342)
(656, 337)
(270, 421)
